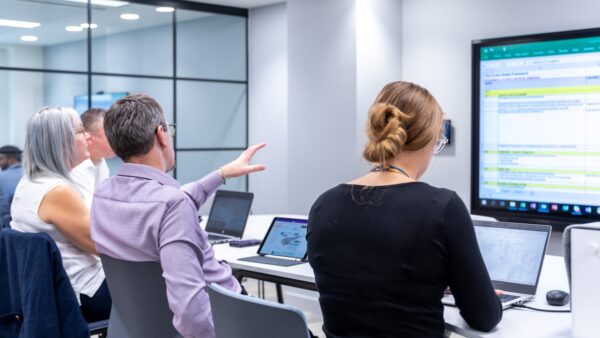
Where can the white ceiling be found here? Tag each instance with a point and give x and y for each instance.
(241, 3)
(55, 15)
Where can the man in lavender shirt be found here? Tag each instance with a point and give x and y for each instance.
(142, 214)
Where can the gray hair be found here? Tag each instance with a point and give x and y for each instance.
(50, 144)
(130, 125)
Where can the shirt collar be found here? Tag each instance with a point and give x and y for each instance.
(147, 172)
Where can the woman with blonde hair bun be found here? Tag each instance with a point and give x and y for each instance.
(385, 246)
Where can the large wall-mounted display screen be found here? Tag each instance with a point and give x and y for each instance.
(536, 127)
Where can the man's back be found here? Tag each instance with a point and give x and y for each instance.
(142, 214)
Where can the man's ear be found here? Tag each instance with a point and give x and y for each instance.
(161, 137)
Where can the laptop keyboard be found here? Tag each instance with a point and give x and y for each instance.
(271, 260)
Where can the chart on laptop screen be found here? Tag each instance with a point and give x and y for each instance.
(540, 120)
(511, 255)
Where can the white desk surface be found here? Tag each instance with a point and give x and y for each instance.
(515, 322)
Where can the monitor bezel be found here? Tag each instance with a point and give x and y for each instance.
(559, 221)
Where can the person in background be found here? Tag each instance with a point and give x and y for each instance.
(12, 170)
(142, 214)
(89, 173)
(46, 200)
(385, 246)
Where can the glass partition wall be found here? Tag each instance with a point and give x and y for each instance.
(191, 57)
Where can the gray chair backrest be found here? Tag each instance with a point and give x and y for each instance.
(139, 300)
(567, 242)
(237, 316)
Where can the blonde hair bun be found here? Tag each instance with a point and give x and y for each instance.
(385, 131)
(404, 117)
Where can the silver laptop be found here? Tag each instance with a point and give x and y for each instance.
(513, 254)
(228, 216)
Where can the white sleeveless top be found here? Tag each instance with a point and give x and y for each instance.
(84, 269)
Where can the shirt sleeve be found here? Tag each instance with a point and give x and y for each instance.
(181, 259)
(201, 189)
(468, 277)
(4, 204)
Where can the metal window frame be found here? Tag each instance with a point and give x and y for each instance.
(181, 5)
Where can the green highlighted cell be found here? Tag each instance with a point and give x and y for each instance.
(543, 186)
(542, 153)
(549, 171)
(542, 91)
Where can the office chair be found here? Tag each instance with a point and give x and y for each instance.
(237, 315)
(581, 244)
(30, 265)
(140, 308)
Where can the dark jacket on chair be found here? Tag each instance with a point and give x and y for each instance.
(36, 297)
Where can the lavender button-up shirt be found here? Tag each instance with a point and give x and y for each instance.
(142, 214)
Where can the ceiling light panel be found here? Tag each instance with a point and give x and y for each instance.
(18, 24)
(107, 3)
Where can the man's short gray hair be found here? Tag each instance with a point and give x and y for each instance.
(91, 117)
(130, 125)
(50, 143)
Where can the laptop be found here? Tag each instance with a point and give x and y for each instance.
(284, 244)
(513, 254)
(228, 216)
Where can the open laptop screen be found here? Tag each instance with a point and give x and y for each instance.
(286, 237)
(513, 253)
(229, 213)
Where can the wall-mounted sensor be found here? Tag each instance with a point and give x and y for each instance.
(448, 130)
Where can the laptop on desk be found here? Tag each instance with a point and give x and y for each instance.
(284, 244)
(513, 254)
(228, 216)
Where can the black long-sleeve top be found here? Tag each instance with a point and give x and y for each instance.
(384, 255)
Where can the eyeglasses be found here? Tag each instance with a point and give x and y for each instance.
(439, 144)
(170, 126)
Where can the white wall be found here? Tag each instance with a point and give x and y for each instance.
(436, 46)
(339, 55)
(378, 53)
(321, 98)
(267, 41)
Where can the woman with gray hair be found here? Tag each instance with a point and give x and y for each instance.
(46, 200)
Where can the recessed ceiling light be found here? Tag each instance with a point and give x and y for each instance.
(29, 38)
(107, 3)
(165, 9)
(85, 25)
(73, 28)
(18, 24)
(129, 16)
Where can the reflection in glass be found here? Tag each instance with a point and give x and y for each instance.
(211, 114)
(193, 165)
(116, 86)
(143, 46)
(45, 46)
(211, 46)
(22, 94)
